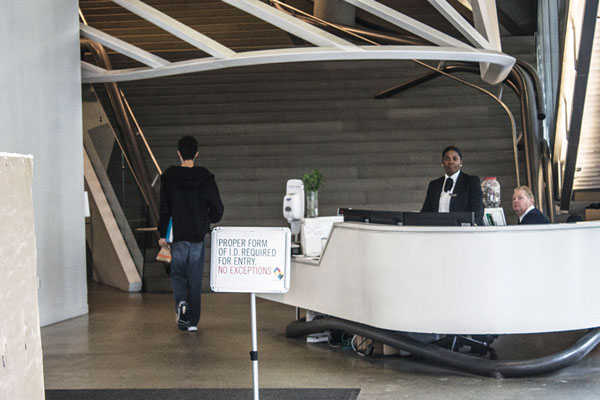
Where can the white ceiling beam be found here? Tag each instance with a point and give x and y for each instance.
(503, 62)
(495, 66)
(290, 24)
(485, 17)
(461, 24)
(176, 28)
(91, 69)
(466, 4)
(122, 47)
(407, 23)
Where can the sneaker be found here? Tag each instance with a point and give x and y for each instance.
(192, 329)
(182, 321)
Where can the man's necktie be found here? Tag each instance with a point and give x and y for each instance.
(448, 185)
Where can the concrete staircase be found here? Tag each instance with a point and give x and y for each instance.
(260, 126)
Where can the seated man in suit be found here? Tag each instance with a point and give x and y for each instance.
(523, 204)
(455, 191)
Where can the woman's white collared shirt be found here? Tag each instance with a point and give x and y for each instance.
(445, 197)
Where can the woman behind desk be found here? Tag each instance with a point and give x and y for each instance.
(523, 204)
(455, 191)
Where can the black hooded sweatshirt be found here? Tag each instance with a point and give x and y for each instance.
(190, 196)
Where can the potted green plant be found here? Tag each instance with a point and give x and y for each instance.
(312, 181)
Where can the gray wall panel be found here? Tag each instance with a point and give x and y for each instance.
(40, 114)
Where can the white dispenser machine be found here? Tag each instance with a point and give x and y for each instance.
(293, 206)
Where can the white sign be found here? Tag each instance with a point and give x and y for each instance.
(315, 232)
(250, 260)
(494, 216)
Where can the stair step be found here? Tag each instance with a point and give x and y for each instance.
(177, 8)
(167, 138)
(245, 26)
(181, 16)
(272, 191)
(340, 153)
(105, 23)
(348, 172)
(351, 119)
(300, 80)
(368, 107)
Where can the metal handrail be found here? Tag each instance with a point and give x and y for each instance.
(118, 141)
(500, 102)
(128, 144)
(351, 31)
(140, 132)
(537, 85)
(540, 182)
(89, 44)
(100, 48)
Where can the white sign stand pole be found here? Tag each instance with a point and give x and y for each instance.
(250, 260)
(254, 352)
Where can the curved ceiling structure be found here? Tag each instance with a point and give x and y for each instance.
(484, 39)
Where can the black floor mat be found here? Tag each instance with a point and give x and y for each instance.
(202, 394)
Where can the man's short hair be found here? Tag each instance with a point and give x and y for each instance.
(188, 147)
(527, 191)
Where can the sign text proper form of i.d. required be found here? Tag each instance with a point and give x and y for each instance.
(250, 260)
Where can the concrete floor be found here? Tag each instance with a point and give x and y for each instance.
(131, 341)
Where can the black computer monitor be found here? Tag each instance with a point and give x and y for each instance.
(387, 217)
(351, 215)
(372, 216)
(439, 219)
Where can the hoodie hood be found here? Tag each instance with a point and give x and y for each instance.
(184, 178)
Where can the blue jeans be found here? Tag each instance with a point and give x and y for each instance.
(187, 266)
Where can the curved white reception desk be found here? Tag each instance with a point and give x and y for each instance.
(455, 280)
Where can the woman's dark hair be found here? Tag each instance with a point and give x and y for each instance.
(188, 147)
(447, 149)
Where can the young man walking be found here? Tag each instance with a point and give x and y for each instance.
(189, 198)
